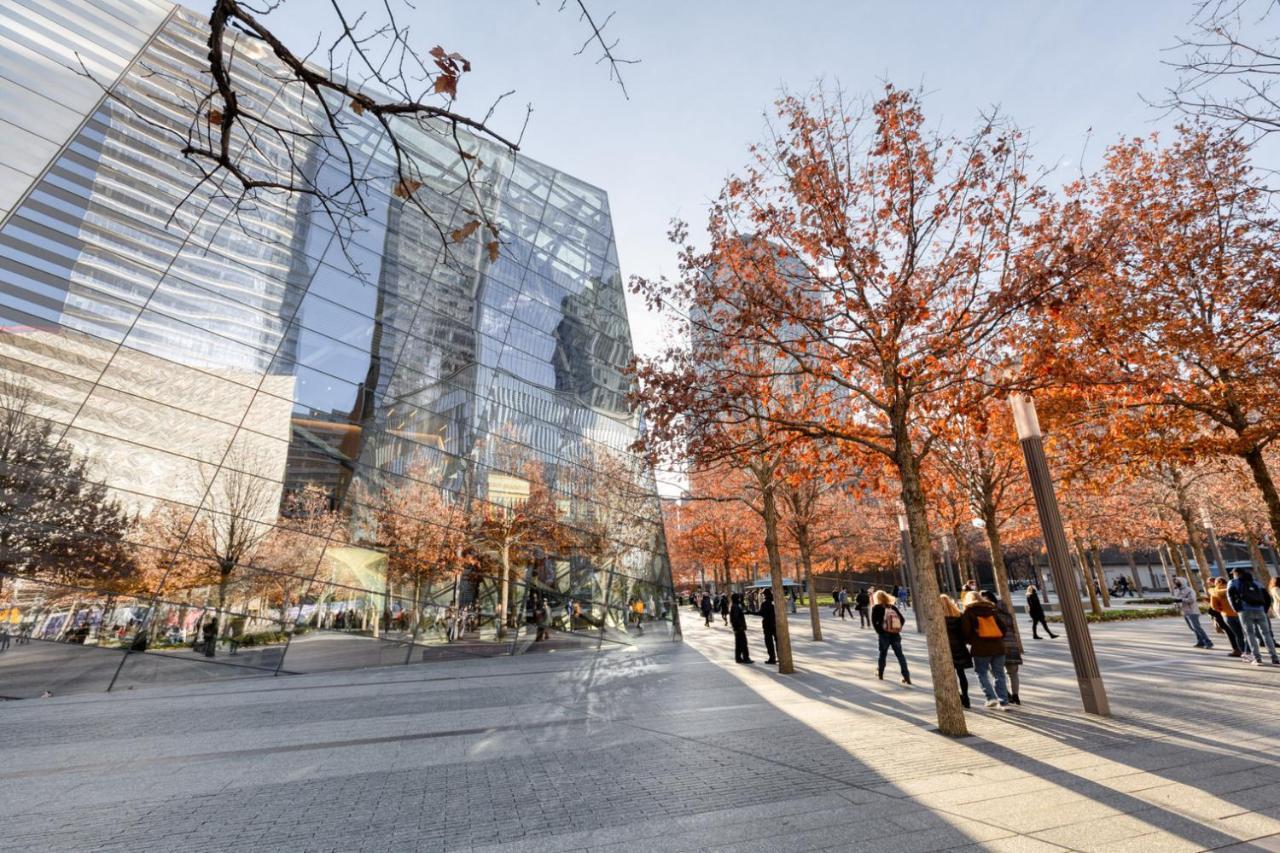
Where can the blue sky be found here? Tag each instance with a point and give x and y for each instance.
(710, 68)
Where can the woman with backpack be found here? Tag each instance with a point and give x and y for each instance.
(1012, 644)
(887, 621)
(960, 657)
(981, 627)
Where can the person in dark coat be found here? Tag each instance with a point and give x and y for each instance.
(1012, 644)
(724, 608)
(862, 603)
(1036, 611)
(981, 625)
(706, 608)
(769, 626)
(887, 620)
(210, 634)
(738, 620)
(960, 657)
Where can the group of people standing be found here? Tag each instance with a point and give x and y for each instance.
(1240, 609)
(984, 637)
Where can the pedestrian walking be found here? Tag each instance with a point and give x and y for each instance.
(210, 634)
(1273, 587)
(4, 638)
(960, 657)
(981, 626)
(863, 605)
(1226, 617)
(738, 620)
(1189, 606)
(846, 606)
(724, 608)
(706, 609)
(769, 626)
(1012, 644)
(1251, 601)
(887, 621)
(1036, 611)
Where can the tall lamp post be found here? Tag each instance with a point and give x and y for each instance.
(909, 569)
(1213, 542)
(1092, 692)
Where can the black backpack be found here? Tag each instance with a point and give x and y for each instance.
(1255, 596)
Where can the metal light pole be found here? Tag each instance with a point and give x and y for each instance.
(1092, 692)
(1213, 542)
(909, 569)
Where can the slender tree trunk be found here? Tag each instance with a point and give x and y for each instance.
(783, 634)
(1133, 570)
(1168, 569)
(1267, 486)
(1094, 604)
(945, 690)
(964, 559)
(806, 559)
(1193, 538)
(1101, 574)
(1255, 554)
(1180, 560)
(998, 567)
(504, 590)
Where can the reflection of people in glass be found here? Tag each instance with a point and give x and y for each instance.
(637, 613)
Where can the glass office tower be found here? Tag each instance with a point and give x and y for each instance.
(241, 440)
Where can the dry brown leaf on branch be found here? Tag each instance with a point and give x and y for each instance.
(406, 187)
(460, 234)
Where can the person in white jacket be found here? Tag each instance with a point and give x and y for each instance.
(1190, 606)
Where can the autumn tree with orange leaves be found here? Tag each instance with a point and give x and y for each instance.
(1182, 314)
(884, 263)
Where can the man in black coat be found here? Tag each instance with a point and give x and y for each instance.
(738, 619)
(768, 626)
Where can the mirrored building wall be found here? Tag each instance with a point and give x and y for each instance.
(241, 439)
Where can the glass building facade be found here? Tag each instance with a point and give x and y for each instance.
(234, 442)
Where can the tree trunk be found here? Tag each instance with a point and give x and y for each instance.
(1259, 564)
(998, 567)
(1193, 539)
(1262, 478)
(963, 558)
(1101, 574)
(1166, 567)
(945, 690)
(1180, 561)
(504, 590)
(1086, 573)
(783, 635)
(806, 559)
(1133, 570)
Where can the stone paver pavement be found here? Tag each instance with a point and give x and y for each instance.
(664, 747)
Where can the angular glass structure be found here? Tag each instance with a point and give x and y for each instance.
(234, 442)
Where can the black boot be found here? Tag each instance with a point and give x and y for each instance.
(1013, 697)
(964, 700)
(880, 674)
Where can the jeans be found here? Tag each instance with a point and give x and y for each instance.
(1193, 622)
(988, 667)
(1255, 626)
(892, 641)
(1235, 632)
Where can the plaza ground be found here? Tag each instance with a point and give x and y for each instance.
(662, 747)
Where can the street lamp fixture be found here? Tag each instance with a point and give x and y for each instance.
(1092, 692)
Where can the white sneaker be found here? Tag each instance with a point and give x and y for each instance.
(1003, 707)
(992, 703)
(1247, 659)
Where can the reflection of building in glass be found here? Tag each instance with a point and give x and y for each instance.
(163, 341)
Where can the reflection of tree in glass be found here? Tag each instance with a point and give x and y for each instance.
(56, 524)
(518, 526)
(422, 529)
(294, 550)
(234, 516)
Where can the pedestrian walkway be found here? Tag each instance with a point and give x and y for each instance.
(663, 747)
